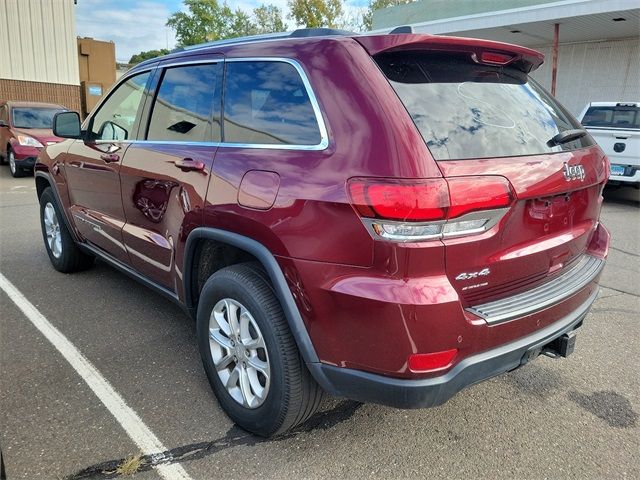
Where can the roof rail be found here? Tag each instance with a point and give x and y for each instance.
(402, 29)
(320, 32)
(299, 33)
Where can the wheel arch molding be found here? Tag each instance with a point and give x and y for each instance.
(268, 262)
(39, 175)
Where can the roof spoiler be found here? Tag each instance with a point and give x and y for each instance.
(522, 58)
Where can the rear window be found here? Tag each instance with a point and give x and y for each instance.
(465, 110)
(266, 102)
(620, 116)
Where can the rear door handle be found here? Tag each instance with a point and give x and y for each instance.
(110, 157)
(187, 164)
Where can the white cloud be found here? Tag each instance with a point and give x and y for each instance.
(133, 28)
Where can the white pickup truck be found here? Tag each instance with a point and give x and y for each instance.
(616, 128)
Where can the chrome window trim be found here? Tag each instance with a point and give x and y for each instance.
(324, 138)
(191, 62)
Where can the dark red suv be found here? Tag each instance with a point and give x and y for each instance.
(388, 218)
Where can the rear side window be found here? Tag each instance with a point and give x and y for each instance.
(186, 107)
(266, 102)
(620, 116)
(465, 110)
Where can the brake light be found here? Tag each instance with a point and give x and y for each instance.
(425, 362)
(493, 58)
(400, 200)
(412, 210)
(470, 194)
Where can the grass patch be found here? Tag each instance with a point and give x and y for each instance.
(130, 465)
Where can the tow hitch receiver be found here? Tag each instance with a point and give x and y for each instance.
(562, 346)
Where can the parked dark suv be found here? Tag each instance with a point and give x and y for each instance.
(389, 218)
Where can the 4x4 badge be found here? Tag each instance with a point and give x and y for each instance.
(573, 172)
(469, 275)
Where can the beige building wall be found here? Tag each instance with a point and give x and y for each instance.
(38, 39)
(39, 60)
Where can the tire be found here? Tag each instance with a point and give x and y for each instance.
(291, 395)
(63, 252)
(15, 170)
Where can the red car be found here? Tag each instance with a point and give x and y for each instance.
(388, 218)
(25, 129)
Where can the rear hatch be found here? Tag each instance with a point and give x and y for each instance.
(616, 128)
(485, 120)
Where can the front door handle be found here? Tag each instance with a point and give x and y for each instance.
(186, 164)
(110, 157)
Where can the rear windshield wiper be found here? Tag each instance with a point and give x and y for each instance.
(566, 136)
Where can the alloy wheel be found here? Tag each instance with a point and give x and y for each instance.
(12, 162)
(52, 229)
(239, 353)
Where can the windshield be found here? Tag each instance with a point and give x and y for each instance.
(24, 117)
(620, 116)
(466, 110)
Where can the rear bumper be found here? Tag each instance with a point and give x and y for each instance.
(403, 393)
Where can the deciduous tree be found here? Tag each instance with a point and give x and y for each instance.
(268, 19)
(316, 13)
(146, 55)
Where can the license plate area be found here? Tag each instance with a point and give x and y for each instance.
(617, 170)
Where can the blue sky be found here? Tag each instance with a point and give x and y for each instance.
(136, 25)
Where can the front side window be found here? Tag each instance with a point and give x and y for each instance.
(186, 107)
(119, 114)
(619, 116)
(29, 117)
(466, 110)
(266, 102)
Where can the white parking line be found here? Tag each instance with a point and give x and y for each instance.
(125, 415)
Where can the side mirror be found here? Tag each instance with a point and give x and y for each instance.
(3, 123)
(67, 125)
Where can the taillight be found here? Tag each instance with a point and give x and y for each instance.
(470, 194)
(400, 200)
(414, 210)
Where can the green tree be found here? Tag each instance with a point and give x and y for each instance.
(142, 56)
(209, 20)
(241, 25)
(367, 17)
(316, 13)
(268, 19)
(205, 21)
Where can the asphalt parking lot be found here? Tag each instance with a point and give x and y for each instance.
(572, 418)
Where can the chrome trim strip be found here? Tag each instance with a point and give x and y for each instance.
(178, 63)
(543, 296)
(324, 137)
(492, 217)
